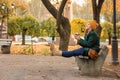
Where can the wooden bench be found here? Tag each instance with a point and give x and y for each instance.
(5, 45)
(92, 67)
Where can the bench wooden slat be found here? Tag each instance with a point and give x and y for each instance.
(84, 57)
(5, 39)
(5, 42)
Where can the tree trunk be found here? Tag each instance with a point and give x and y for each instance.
(64, 33)
(63, 24)
(63, 27)
(98, 30)
(23, 36)
(96, 13)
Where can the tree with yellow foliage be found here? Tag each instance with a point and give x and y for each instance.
(107, 31)
(20, 5)
(9, 8)
(78, 26)
(107, 10)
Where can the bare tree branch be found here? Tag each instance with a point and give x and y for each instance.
(60, 11)
(50, 8)
(64, 28)
(94, 6)
(100, 4)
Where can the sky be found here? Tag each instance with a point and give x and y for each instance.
(28, 0)
(80, 2)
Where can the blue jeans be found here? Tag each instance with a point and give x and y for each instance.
(75, 52)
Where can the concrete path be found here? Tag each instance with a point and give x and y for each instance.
(26, 67)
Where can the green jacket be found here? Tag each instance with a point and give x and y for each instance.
(90, 41)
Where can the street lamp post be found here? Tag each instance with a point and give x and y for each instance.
(6, 11)
(114, 38)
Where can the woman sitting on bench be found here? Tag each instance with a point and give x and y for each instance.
(90, 43)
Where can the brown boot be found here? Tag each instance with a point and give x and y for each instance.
(55, 52)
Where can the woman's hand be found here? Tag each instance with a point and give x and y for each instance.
(77, 36)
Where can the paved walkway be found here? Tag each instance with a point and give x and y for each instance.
(26, 67)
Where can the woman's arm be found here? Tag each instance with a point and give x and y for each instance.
(92, 38)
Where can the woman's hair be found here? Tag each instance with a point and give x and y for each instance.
(93, 24)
